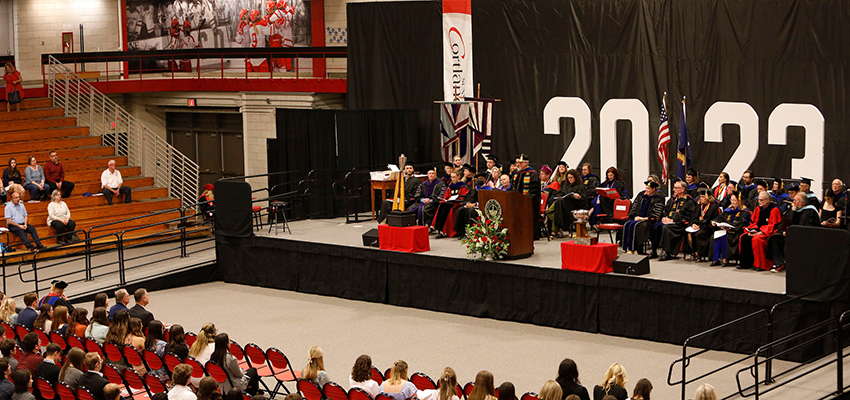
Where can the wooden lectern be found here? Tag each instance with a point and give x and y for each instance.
(517, 215)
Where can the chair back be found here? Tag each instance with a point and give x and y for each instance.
(93, 347)
(422, 381)
(134, 381)
(155, 385)
(280, 365)
(75, 341)
(112, 374)
(10, 331)
(65, 392)
(308, 389)
(191, 337)
(113, 352)
(467, 389)
(216, 372)
(132, 355)
(376, 376)
(84, 394)
(621, 209)
(44, 388)
(21, 331)
(382, 396)
(171, 360)
(358, 394)
(333, 391)
(256, 356)
(197, 369)
(544, 198)
(43, 339)
(529, 396)
(152, 360)
(236, 350)
(388, 373)
(18, 352)
(57, 338)
(459, 391)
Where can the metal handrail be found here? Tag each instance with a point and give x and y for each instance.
(158, 159)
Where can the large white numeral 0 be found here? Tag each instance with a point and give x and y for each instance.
(743, 115)
(634, 111)
(811, 119)
(566, 107)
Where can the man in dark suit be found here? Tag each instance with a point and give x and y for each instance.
(93, 379)
(48, 369)
(28, 315)
(138, 310)
(122, 298)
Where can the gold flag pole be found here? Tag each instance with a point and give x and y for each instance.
(398, 196)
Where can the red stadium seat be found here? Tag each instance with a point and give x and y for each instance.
(65, 393)
(388, 373)
(74, 341)
(257, 358)
(422, 381)
(382, 396)
(621, 213)
(21, 331)
(198, 370)
(152, 360)
(529, 396)
(155, 385)
(191, 337)
(309, 390)
(57, 338)
(467, 389)
(43, 339)
(333, 391)
(113, 352)
(216, 372)
(93, 347)
(10, 331)
(282, 370)
(237, 351)
(376, 375)
(135, 385)
(112, 374)
(84, 394)
(358, 394)
(171, 360)
(44, 388)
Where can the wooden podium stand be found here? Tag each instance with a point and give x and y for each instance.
(517, 215)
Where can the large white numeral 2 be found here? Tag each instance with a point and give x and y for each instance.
(634, 111)
(569, 107)
(743, 115)
(811, 119)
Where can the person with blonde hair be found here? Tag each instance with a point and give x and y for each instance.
(447, 386)
(484, 388)
(398, 387)
(705, 392)
(613, 383)
(8, 312)
(203, 347)
(315, 369)
(551, 391)
(361, 376)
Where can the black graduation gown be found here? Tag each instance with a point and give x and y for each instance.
(738, 218)
(427, 210)
(563, 208)
(527, 182)
(590, 183)
(635, 233)
(703, 239)
(444, 219)
(466, 216)
(681, 210)
(606, 205)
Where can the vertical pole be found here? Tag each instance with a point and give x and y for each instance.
(684, 369)
(839, 353)
(768, 366)
(120, 245)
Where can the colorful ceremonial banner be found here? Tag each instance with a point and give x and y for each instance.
(457, 49)
(684, 150)
(456, 137)
(480, 123)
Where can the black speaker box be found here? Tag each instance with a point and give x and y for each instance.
(401, 220)
(631, 264)
(370, 238)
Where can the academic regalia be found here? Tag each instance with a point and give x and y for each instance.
(411, 183)
(590, 182)
(753, 248)
(527, 182)
(606, 205)
(562, 209)
(466, 216)
(719, 191)
(432, 190)
(781, 200)
(692, 189)
(748, 190)
(446, 179)
(551, 189)
(806, 216)
(813, 200)
(681, 210)
(727, 246)
(701, 240)
(444, 220)
(635, 233)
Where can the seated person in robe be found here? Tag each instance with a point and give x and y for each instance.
(444, 219)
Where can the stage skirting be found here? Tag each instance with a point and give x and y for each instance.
(611, 304)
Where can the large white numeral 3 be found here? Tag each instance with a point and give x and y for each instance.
(811, 119)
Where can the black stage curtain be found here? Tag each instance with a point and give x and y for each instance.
(394, 62)
(527, 52)
(235, 197)
(306, 140)
(376, 137)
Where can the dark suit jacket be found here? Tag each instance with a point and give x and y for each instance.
(94, 383)
(139, 312)
(27, 316)
(114, 309)
(48, 371)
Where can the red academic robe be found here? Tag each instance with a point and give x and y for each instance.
(760, 259)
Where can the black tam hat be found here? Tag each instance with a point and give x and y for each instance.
(703, 188)
(469, 167)
(762, 183)
(480, 176)
(564, 163)
(792, 187)
(492, 157)
(59, 284)
(652, 184)
(692, 172)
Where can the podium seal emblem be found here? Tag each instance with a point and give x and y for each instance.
(493, 210)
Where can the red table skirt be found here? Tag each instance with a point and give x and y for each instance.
(411, 239)
(597, 258)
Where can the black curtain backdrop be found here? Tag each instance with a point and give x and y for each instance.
(394, 62)
(526, 52)
(305, 140)
(375, 137)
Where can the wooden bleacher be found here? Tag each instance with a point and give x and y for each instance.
(40, 128)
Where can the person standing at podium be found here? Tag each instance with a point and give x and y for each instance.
(527, 182)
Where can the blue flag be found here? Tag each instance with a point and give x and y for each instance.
(683, 157)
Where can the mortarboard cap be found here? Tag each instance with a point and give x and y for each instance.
(652, 184)
(762, 183)
(469, 167)
(523, 158)
(807, 181)
(692, 172)
(59, 284)
(792, 186)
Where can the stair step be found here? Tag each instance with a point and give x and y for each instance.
(48, 145)
(66, 154)
(31, 114)
(94, 186)
(29, 104)
(77, 201)
(45, 231)
(74, 174)
(27, 125)
(44, 133)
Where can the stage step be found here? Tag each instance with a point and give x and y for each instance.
(29, 104)
(40, 146)
(27, 125)
(31, 114)
(44, 133)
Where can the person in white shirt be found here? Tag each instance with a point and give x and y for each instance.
(361, 376)
(112, 184)
(180, 377)
(59, 218)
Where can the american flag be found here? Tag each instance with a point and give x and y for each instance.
(454, 131)
(663, 140)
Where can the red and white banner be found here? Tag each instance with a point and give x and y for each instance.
(457, 50)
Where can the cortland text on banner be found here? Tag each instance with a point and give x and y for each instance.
(457, 49)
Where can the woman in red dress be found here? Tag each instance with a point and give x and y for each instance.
(13, 83)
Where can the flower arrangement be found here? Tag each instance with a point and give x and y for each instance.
(486, 238)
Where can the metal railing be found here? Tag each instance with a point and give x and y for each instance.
(158, 159)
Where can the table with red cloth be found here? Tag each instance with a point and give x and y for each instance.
(597, 258)
(411, 239)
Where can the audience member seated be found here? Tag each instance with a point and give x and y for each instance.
(747, 184)
(642, 390)
(93, 379)
(234, 394)
(48, 368)
(72, 368)
(483, 387)
(560, 174)
(177, 342)
(778, 195)
(705, 392)
(135, 335)
(494, 178)
(613, 383)
(207, 202)
(112, 392)
(11, 176)
(701, 239)
(315, 369)
(568, 379)
(117, 333)
(507, 391)
(30, 359)
(426, 198)
(78, 322)
(678, 212)
(7, 346)
(753, 243)
(802, 213)
(113, 185)
(589, 180)
(142, 299)
(101, 300)
(647, 208)
(546, 179)
(571, 196)
(16, 222)
(59, 321)
(122, 298)
(59, 218)
(28, 315)
(398, 387)
(180, 377)
(8, 311)
(468, 175)
(830, 215)
(7, 388)
(692, 182)
(448, 168)
(34, 180)
(246, 381)
(23, 385)
(605, 205)
(411, 183)
(45, 317)
(505, 183)
(204, 346)
(155, 342)
(457, 162)
(208, 389)
(444, 218)
(550, 391)
(446, 386)
(54, 173)
(737, 216)
(98, 327)
(468, 212)
(361, 376)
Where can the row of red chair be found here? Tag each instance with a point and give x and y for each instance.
(333, 391)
